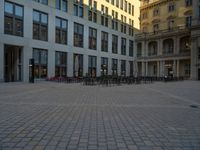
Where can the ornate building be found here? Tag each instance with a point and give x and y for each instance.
(164, 44)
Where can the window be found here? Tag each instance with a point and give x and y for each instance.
(123, 24)
(92, 64)
(114, 66)
(61, 30)
(78, 8)
(187, 69)
(171, 7)
(114, 20)
(92, 12)
(131, 27)
(40, 26)
(131, 48)
(13, 19)
(78, 35)
(92, 38)
(129, 8)
(114, 44)
(104, 41)
(125, 6)
(45, 2)
(117, 3)
(78, 65)
(123, 46)
(156, 12)
(155, 28)
(41, 58)
(188, 21)
(113, 2)
(62, 5)
(170, 24)
(104, 15)
(144, 15)
(121, 4)
(104, 66)
(123, 67)
(60, 64)
(131, 68)
(132, 10)
(188, 2)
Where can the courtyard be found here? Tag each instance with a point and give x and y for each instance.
(48, 115)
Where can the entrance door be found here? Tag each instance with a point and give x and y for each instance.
(12, 63)
(199, 74)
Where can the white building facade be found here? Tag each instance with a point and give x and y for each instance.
(67, 38)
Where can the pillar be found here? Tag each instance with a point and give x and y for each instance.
(146, 69)
(174, 68)
(109, 66)
(70, 65)
(178, 68)
(143, 68)
(98, 66)
(158, 69)
(119, 67)
(85, 64)
(51, 63)
(27, 54)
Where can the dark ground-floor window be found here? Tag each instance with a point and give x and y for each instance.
(61, 64)
(78, 65)
(41, 58)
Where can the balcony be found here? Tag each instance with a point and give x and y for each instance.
(162, 33)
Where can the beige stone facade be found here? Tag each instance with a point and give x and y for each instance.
(164, 44)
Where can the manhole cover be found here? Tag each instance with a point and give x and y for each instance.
(193, 106)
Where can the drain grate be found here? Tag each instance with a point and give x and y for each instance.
(194, 106)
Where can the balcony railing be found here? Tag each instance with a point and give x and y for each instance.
(162, 32)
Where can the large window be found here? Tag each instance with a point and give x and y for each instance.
(131, 67)
(114, 20)
(104, 66)
(188, 2)
(92, 64)
(92, 38)
(13, 19)
(92, 12)
(131, 27)
(104, 15)
(123, 24)
(123, 67)
(188, 21)
(104, 41)
(45, 2)
(78, 35)
(61, 30)
(78, 65)
(62, 5)
(114, 66)
(123, 46)
(40, 26)
(171, 7)
(41, 58)
(114, 44)
(78, 8)
(131, 48)
(60, 64)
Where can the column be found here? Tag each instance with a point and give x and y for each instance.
(119, 68)
(70, 64)
(127, 68)
(177, 51)
(98, 66)
(158, 69)
(174, 68)
(27, 54)
(146, 70)
(109, 66)
(51, 63)
(162, 68)
(178, 68)
(143, 68)
(1, 61)
(85, 64)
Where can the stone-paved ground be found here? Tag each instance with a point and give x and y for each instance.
(50, 116)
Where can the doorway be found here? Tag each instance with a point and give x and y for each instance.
(199, 74)
(12, 63)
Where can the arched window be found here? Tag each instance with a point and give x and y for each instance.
(168, 46)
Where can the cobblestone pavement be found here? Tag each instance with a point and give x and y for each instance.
(45, 115)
